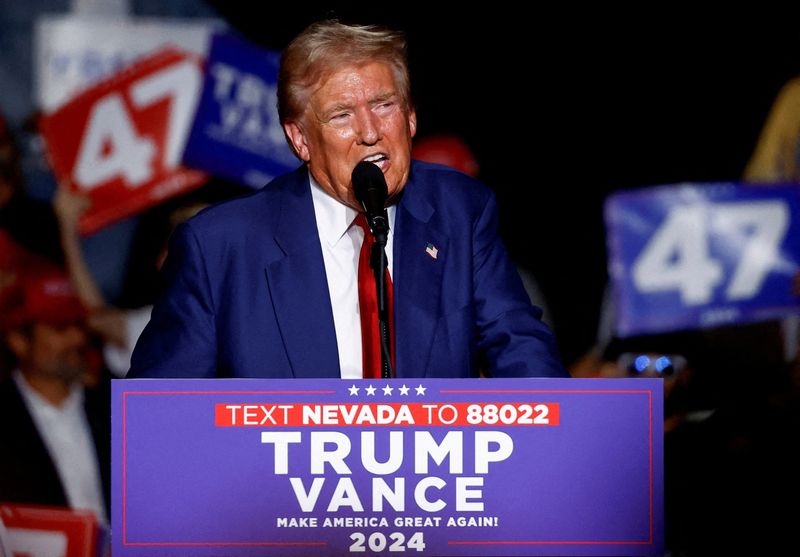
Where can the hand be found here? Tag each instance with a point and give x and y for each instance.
(110, 324)
(69, 207)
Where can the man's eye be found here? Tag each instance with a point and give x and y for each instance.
(342, 116)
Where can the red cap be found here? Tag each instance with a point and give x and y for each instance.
(40, 297)
(446, 149)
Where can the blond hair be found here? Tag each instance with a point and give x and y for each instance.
(327, 46)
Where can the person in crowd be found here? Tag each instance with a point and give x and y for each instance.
(268, 285)
(118, 328)
(54, 432)
(448, 149)
(776, 159)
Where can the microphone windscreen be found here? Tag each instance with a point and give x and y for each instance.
(369, 186)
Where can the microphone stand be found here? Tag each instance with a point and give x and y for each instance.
(378, 263)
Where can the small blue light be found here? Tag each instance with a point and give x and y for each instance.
(662, 363)
(641, 363)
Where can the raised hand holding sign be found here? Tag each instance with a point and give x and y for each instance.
(122, 140)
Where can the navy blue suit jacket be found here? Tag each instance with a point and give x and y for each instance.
(247, 295)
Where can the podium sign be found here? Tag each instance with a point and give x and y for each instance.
(415, 467)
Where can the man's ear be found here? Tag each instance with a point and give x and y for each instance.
(412, 122)
(297, 138)
(18, 343)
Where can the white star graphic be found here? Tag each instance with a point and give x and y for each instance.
(420, 390)
(387, 390)
(403, 390)
(353, 390)
(370, 390)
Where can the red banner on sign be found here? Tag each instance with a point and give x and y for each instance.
(121, 141)
(39, 531)
(412, 414)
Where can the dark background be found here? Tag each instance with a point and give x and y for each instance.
(563, 106)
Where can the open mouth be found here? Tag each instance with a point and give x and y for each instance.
(379, 159)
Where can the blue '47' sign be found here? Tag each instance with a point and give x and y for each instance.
(702, 255)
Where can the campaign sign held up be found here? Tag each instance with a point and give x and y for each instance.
(703, 255)
(237, 134)
(120, 141)
(40, 531)
(413, 467)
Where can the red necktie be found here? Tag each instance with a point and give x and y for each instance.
(372, 364)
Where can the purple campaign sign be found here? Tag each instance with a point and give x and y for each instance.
(433, 467)
(702, 255)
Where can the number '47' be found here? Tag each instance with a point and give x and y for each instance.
(677, 256)
(131, 155)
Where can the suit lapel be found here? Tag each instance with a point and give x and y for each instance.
(299, 287)
(35, 470)
(420, 253)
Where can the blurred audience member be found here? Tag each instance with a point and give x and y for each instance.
(726, 443)
(776, 159)
(118, 328)
(446, 149)
(53, 432)
(15, 261)
(671, 357)
(694, 436)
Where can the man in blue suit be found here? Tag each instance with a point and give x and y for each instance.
(266, 285)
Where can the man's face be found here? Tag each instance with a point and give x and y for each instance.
(56, 351)
(355, 113)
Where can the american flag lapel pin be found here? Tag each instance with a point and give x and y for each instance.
(431, 250)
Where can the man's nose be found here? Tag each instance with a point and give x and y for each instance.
(368, 127)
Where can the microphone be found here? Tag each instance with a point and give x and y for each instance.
(369, 186)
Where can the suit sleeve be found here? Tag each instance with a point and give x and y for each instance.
(511, 335)
(180, 339)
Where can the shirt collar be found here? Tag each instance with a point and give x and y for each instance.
(333, 217)
(34, 400)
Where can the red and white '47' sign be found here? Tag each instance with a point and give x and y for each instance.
(121, 141)
(37, 531)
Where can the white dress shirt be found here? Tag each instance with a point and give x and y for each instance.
(341, 247)
(66, 435)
